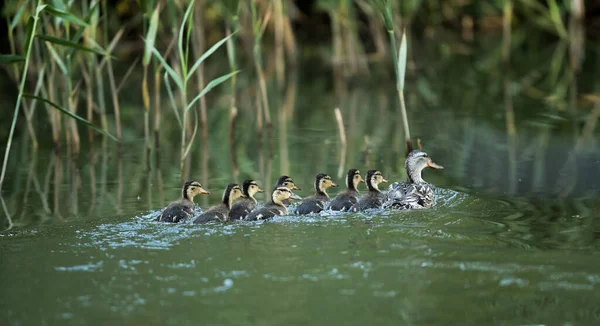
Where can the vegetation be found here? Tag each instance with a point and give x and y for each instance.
(75, 59)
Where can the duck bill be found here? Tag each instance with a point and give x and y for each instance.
(360, 179)
(260, 190)
(384, 181)
(333, 184)
(296, 197)
(295, 188)
(204, 191)
(435, 166)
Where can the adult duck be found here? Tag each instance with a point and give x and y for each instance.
(416, 193)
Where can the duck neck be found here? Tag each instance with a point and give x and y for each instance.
(350, 184)
(186, 196)
(227, 199)
(277, 202)
(321, 191)
(414, 175)
(373, 186)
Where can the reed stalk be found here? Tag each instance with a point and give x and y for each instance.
(181, 77)
(257, 31)
(150, 39)
(31, 27)
(399, 58)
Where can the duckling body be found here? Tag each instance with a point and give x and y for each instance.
(244, 206)
(374, 198)
(345, 200)
(220, 213)
(316, 203)
(183, 208)
(276, 207)
(416, 193)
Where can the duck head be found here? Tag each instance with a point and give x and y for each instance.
(374, 178)
(193, 188)
(231, 193)
(250, 188)
(281, 194)
(416, 161)
(285, 181)
(322, 182)
(353, 179)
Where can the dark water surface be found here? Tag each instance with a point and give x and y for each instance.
(513, 238)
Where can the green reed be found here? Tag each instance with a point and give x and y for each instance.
(67, 47)
(399, 58)
(182, 79)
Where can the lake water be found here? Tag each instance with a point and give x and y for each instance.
(512, 240)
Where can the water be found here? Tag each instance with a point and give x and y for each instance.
(512, 240)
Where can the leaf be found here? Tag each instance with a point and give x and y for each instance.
(70, 114)
(172, 98)
(17, 18)
(6, 59)
(213, 83)
(208, 54)
(67, 43)
(168, 68)
(402, 62)
(88, 18)
(65, 15)
(151, 37)
(57, 59)
(182, 56)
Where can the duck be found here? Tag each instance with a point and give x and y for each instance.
(220, 213)
(244, 206)
(183, 208)
(276, 207)
(416, 193)
(345, 200)
(374, 198)
(316, 202)
(286, 181)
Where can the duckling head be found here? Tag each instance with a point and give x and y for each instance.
(193, 188)
(280, 194)
(285, 181)
(322, 182)
(353, 179)
(250, 188)
(416, 161)
(231, 193)
(374, 178)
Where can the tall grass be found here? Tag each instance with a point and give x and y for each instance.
(70, 46)
(182, 80)
(399, 58)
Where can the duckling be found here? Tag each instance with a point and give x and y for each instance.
(220, 213)
(416, 193)
(246, 205)
(184, 207)
(275, 207)
(315, 203)
(374, 198)
(285, 181)
(345, 200)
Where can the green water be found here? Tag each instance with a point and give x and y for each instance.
(512, 240)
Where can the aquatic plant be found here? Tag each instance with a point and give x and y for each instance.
(399, 58)
(68, 46)
(182, 80)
